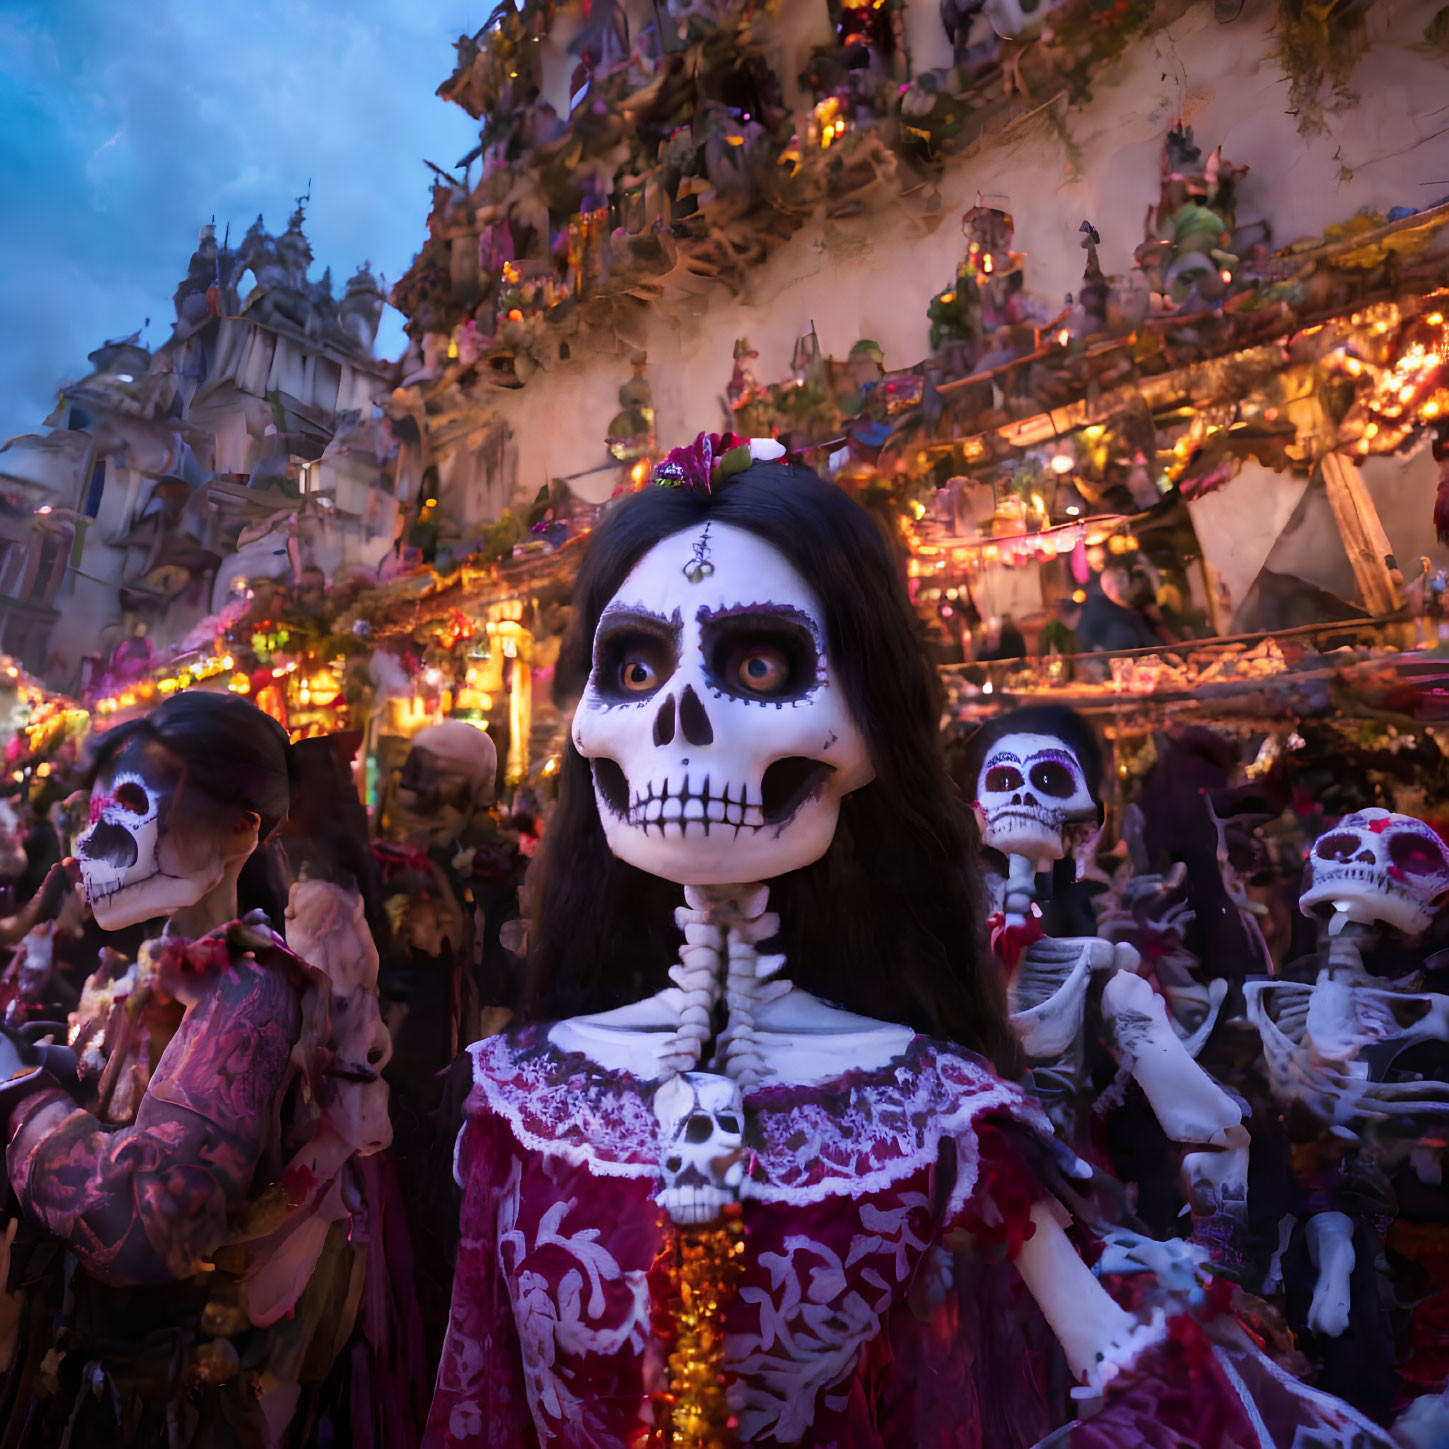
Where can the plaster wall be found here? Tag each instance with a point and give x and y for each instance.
(873, 276)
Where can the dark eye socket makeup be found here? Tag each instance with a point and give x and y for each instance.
(131, 796)
(1001, 778)
(635, 652)
(760, 652)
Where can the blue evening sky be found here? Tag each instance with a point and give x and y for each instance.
(125, 126)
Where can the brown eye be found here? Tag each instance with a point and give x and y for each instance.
(637, 675)
(760, 655)
(631, 661)
(763, 671)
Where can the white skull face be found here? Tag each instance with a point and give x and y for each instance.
(327, 928)
(1031, 791)
(702, 1152)
(1377, 866)
(446, 778)
(721, 747)
(131, 868)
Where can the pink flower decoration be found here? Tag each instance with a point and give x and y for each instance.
(698, 464)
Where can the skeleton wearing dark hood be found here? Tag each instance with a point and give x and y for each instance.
(446, 882)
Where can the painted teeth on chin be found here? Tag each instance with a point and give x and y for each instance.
(674, 814)
(1367, 874)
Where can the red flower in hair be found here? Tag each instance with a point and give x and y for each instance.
(705, 463)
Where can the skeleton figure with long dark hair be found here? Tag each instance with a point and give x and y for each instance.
(202, 1156)
(765, 1185)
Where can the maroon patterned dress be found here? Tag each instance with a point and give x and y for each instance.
(226, 1240)
(878, 1304)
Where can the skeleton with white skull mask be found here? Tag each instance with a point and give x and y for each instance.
(1348, 1056)
(230, 1043)
(757, 725)
(1035, 773)
(720, 747)
(1372, 869)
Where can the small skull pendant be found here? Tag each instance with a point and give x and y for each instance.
(701, 1146)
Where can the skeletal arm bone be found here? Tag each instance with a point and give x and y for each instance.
(1190, 1106)
(1097, 1335)
(1330, 1246)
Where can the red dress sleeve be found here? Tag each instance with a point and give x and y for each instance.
(148, 1203)
(1201, 1382)
(967, 1362)
(480, 1396)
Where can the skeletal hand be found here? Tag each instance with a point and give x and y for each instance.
(1175, 1263)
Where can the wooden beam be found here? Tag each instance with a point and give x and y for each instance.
(1363, 534)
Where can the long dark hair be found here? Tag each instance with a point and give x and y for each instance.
(326, 831)
(237, 756)
(888, 922)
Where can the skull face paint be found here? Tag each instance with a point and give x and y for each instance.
(1377, 866)
(446, 778)
(1032, 789)
(133, 867)
(721, 748)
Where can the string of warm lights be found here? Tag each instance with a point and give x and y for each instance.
(700, 1269)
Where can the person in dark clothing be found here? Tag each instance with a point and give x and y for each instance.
(1107, 623)
(1009, 643)
(42, 850)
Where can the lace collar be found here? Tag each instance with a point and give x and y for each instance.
(860, 1133)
